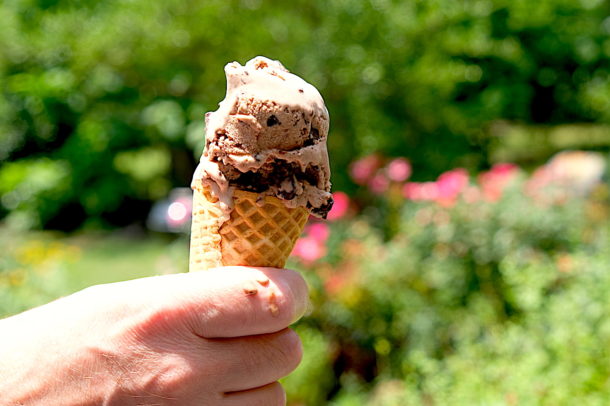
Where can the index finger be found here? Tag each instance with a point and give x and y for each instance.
(243, 301)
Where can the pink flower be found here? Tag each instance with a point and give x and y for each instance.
(539, 179)
(311, 247)
(429, 191)
(494, 181)
(308, 249)
(421, 191)
(340, 206)
(541, 186)
(410, 190)
(504, 169)
(318, 231)
(451, 183)
(363, 169)
(471, 194)
(379, 183)
(398, 170)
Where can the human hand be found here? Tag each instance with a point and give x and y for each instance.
(217, 337)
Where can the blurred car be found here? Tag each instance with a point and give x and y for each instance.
(173, 214)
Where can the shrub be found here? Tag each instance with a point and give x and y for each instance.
(105, 100)
(488, 290)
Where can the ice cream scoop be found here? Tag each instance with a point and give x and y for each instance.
(268, 136)
(264, 168)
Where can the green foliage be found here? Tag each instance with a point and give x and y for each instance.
(478, 300)
(529, 144)
(313, 368)
(84, 83)
(32, 271)
(481, 300)
(474, 302)
(37, 267)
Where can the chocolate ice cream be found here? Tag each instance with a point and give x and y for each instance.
(269, 137)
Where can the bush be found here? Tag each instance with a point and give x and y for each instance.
(101, 104)
(488, 291)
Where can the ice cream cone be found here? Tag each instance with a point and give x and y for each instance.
(261, 231)
(263, 171)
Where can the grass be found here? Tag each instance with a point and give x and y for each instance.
(38, 267)
(106, 259)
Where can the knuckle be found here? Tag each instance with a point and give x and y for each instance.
(277, 354)
(277, 395)
(274, 395)
(290, 350)
(168, 377)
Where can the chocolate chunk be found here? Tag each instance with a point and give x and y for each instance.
(314, 134)
(272, 120)
(323, 210)
(311, 175)
(250, 181)
(274, 174)
(219, 135)
(271, 174)
(286, 194)
(312, 137)
(308, 142)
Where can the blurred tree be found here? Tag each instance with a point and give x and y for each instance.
(107, 98)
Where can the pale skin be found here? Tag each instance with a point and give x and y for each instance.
(218, 337)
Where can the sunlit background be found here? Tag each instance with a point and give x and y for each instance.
(467, 257)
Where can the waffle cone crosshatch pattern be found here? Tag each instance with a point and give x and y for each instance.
(259, 232)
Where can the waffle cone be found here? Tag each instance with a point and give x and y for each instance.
(258, 232)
